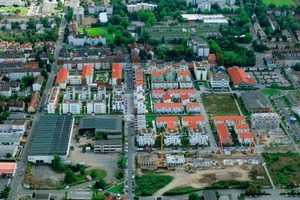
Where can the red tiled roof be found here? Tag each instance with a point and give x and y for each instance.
(158, 91)
(31, 65)
(223, 134)
(168, 70)
(229, 118)
(87, 71)
(7, 167)
(246, 135)
(164, 105)
(192, 125)
(116, 71)
(182, 91)
(171, 125)
(157, 73)
(242, 126)
(185, 97)
(239, 76)
(139, 76)
(167, 119)
(184, 73)
(212, 57)
(192, 104)
(166, 97)
(197, 118)
(62, 75)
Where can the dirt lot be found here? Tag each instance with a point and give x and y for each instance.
(205, 177)
(43, 176)
(88, 20)
(107, 162)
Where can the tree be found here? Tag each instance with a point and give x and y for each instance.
(98, 197)
(17, 11)
(5, 192)
(44, 73)
(45, 22)
(136, 198)
(297, 67)
(69, 176)
(2, 97)
(101, 184)
(248, 38)
(8, 155)
(82, 170)
(94, 173)
(193, 196)
(56, 164)
(51, 59)
(69, 15)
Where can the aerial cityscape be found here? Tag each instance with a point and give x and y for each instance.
(149, 100)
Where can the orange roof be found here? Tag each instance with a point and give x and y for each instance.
(7, 167)
(192, 104)
(62, 75)
(31, 65)
(158, 91)
(139, 76)
(185, 97)
(87, 71)
(183, 73)
(171, 125)
(196, 118)
(242, 126)
(229, 118)
(246, 135)
(168, 70)
(166, 97)
(239, 76)
(116, 71)
(163, 105)
(167, 119)
(223, 134)
(192, 125)
(157, 73)
(212, 57)
(182, 91)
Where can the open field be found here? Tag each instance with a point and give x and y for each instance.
(219, 104)
(284, 168)
(94, 31)
(279, 2)
(23, 10)
(270, 91)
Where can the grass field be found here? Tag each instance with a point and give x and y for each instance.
(219, 104)
(284, 168)
(279, 2)
(117, 189)
(270, 91)
(80, 30)
(24, 10)
(99, 31)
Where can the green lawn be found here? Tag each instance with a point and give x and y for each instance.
(270, 91)
(279, 2)
(219, 104)
(117, 189)
(147, 185)
(99, 31)
(80, 30)
(24, 10)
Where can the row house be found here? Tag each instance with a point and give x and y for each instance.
(245, 138)
(198, 136)
(118, 104)
(190, 121)
(241, 128)
(229, 120)
(223, 134)
(96, 106)
(168, 108)
(169, 75)
(157, 76)
(184, 99)
(185, 85)
(167, 98)
(184, 76)
(167, 121)
(81, 40)
(12, 57)
(71, 106)
(176, 94)
(34, 102)
(158, 94)
(172, 137)
(53, 99)
(85, 93)
(164, 85)
(26, 48)
(38, 83)
(16, 105)
(193, 107)
(145, 137)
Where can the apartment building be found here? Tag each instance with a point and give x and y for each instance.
(193, 107)
(199, 47)
(185, 85)
(164, 85)
(85, 93)
(95, 106)
(172, 137)
(168, 108)
(87, 75)
(183, 76)
(174, 160)
(229, 120)
(116, 73)
(71, 106)
(158, 94)
(245, 138)
(70, 93)
(198, 120)
(223, 134)
(157, 76)
(62, 77)
(140, 6)
(53, 99)
(145, 137)
(118, 104)
(177, 94)
(139, 92)
(34, 102)
(167, 122)
(198, 136)
(101, 93)
(219, 80)
(260, 121)
(241, 128)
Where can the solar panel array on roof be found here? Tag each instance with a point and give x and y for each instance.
(102, 124)
(52, 135)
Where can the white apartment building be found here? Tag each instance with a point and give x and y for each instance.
(177, 94)
(168, 108)
(70, 93)
(53, 99)
(145, 137)
(164, 85)
(74, 80)
(118, 104)
(174, 160)
(199, 47)
(261, 121)
(85, 93)
(101, 93)
(164, 121)
(95, 106)
(193, 107)
(199, 120)
(158, 94)
(172, 138)
(184, 76)
(198, 136)
(140, 6)
(71, 106)
(219, 80)
(118, 90)
(201, 70)
(186, 85)
(241, 128)
(5, 90)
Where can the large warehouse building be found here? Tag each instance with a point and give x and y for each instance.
(101, 124)
(52, 137)
(255, 102)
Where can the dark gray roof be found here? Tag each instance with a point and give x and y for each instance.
(102, 124)
(254, 100)
(108, 142)
(209, 195)
(52, 135)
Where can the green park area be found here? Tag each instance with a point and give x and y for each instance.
(219, 104)
(284, 168)
(94, 31)
(22, 10)
(270, 91)
(279, 2)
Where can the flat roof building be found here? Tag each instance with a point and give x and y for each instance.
(52, 137)
(101, 124)
(255, 102)
(8, 169)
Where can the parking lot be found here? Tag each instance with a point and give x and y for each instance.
(267, 78)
